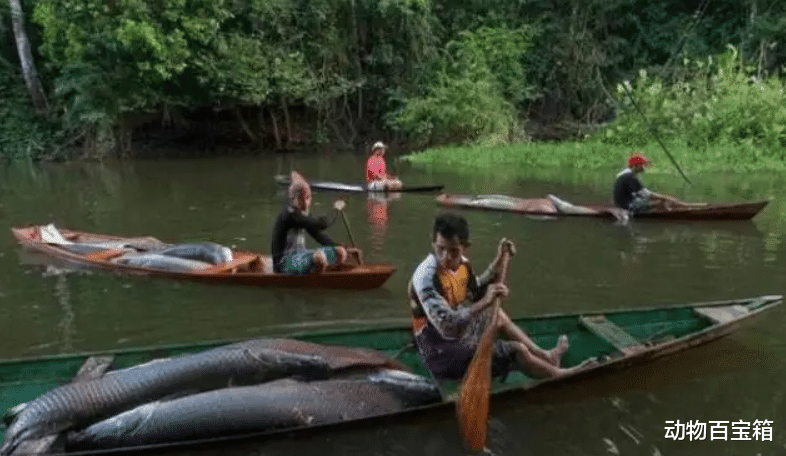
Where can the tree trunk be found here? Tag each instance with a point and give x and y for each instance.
(275, 129)
(26, 58)
(244, 125)
(287, 121)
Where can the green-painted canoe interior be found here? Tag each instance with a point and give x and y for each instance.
(592, 335)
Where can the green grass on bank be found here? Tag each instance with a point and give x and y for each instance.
(596, 155)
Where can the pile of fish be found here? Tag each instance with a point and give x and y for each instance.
(179, 257)
(252, 386)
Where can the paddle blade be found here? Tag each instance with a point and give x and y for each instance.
(472, 406)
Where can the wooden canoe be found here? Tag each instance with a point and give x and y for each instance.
(620, 338)
(354, 188)
(545, 207)
(246, 268)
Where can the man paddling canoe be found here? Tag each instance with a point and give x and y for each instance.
(449, 312)
(377, 177)
(289, 252)
(631, 195)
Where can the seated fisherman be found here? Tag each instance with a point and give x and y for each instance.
(450, 311)
(377, 177)
(290, 255)
(631, 195)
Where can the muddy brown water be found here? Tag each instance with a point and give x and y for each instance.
(563, 265)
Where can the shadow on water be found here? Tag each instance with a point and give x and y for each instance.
(670, 231)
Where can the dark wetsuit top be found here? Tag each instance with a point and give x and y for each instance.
(626, 187)
(290, 223)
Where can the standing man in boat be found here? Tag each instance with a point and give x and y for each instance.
(450, 311)
(631, 195)
(377, 177)
(290, 255)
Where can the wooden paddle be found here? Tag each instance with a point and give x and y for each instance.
(472, 406)
(351, 238)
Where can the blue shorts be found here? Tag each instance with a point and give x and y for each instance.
(301, 262)
(640, 204)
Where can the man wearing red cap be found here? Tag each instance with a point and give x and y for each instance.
(631, 195)
(377, 178)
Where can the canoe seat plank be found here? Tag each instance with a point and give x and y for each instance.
(723, 314)
(105, 254)
(613, 334)
(231, 266)
(93, 367)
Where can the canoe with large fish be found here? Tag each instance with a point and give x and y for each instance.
(306, 381)
(552, 206)
(199, 261)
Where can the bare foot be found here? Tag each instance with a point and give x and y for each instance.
(586, 364)
(555, 354)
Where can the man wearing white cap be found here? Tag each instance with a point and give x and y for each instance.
(376, 172)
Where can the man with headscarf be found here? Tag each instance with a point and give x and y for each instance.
(290, 255)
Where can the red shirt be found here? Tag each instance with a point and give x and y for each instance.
(375, 166)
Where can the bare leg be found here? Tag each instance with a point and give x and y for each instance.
(394, 184)
(553, 356)
(668, 204)
(540, 368)
(320, 261)
(661, 205)
(357, 254)
(341, 254)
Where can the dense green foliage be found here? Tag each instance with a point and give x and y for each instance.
(717, 115)
(718, 105)
(428, 72)
(478, 82)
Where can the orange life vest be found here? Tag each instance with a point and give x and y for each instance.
(453, 286)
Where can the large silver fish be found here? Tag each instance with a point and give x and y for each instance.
(159, 261)
(275, 405)
(209, 252)
(245, 363)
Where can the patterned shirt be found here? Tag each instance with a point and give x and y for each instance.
(441, 300)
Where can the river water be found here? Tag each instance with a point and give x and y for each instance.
(566, 265)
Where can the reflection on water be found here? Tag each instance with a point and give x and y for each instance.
(66, 325)
(718, 243)
(377, 208)
(562, 265)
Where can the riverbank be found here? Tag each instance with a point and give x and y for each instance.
(597, 155)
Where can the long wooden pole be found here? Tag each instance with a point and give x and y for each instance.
(349, 233)
(472, 406)
(655, 134)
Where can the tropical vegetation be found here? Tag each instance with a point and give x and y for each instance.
(95, 78)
